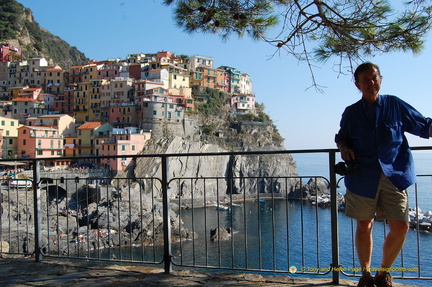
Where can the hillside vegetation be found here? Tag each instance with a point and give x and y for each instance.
(18, 27)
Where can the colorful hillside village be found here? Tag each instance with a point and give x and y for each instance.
(103, 107)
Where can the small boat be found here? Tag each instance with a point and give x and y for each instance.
(20, 184)
(221, 207)
(236, 205)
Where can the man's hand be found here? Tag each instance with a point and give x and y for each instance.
(346, 153)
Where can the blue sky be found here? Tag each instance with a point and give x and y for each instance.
(307, 119)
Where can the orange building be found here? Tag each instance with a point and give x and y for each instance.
(40, 141)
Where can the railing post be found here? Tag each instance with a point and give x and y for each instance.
(334, 218)
(166, 216)
(37, 210)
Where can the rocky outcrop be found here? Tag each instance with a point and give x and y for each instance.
(219, 233)
(216, 175)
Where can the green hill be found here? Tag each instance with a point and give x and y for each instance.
(18, 27)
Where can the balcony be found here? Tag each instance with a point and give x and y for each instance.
(42, 135)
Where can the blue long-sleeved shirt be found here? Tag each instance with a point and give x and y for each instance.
(377, 138)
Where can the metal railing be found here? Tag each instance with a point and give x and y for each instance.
(278, 224)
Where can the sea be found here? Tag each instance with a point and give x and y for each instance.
(419, 195)
(301, 230)
(294, 236)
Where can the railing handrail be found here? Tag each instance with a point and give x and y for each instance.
(166, 200)
(227, 153)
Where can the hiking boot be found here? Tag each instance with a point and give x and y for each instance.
(383, 279)
(366, 281)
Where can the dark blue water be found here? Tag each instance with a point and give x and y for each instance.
(269, 237)
(416, 243)
(278, 235)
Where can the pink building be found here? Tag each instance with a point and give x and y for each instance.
(40, 141)
(122, 142)
(9, 53)
(122, 115)
(243, 104)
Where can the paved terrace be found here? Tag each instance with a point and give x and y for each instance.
(15, 272)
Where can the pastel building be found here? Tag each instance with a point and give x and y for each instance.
(76, 74)
(122, 142)
(9, 128)
(183, 97)
(212, 78)
(158, 76)
(118, 90)
(178, 77)
(31, 93)
(157, 107)
(9, 53)
(31, 72)
(109, 70)
(122, 115)
(64, 123)
(22, 108)
(67, 106)
(245, 84)
(90, 135)
(70, 145)
(94, 112)
(243, 104)
(200, 61)
(55, 80)
(90, 72)
(232, 79)
(40, 141)
(81, 102)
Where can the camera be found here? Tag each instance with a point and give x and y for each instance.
(347, 167)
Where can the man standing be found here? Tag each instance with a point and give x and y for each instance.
(372, 133)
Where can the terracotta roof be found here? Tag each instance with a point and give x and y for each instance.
(25, 100)
(76, 67)
(89, 125)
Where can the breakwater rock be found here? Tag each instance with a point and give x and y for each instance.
(421, 220)
(216, 175)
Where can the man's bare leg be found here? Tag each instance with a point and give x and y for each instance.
(364, 243)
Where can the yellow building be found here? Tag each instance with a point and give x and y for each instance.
(90, 135)
(94, 98)
(89, 72)
(81, 102)
(178, 77)
(70, 145)
(10, 136)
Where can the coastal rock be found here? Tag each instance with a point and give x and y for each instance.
(313, 188)
(4, 248)
(219, 233)
(420, 220)
(236, 174)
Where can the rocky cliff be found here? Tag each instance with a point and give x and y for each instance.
(216, 176)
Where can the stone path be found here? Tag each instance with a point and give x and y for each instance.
(16, 272)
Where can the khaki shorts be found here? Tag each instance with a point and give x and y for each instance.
(389, 203)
